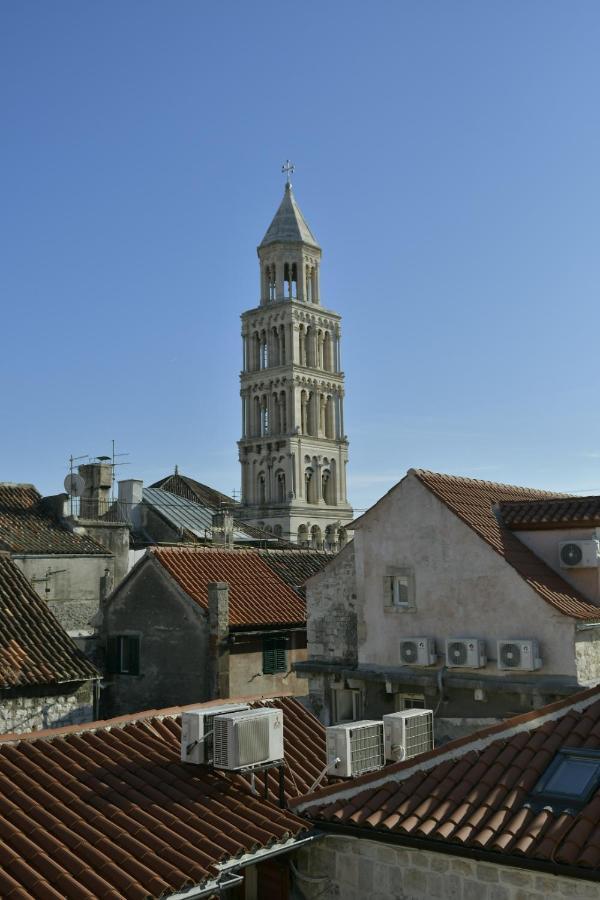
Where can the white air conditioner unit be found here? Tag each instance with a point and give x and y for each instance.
(197, 731)
(418, 651)
(465, 653)
(523, 655)
(357, 745)
(244, 740)
(407, 733)
(579, 554)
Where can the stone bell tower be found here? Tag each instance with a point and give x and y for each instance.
(293, 449)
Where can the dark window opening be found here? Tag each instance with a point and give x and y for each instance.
(123, 655)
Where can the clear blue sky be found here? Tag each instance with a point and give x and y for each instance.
(448, 160)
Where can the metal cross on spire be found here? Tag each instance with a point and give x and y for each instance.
(288, 169)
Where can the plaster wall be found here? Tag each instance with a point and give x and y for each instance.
(545, 543)
(356, 868)
(49, 706)
(73, 592)
(173, 636)
(462, 587)
(246, 677)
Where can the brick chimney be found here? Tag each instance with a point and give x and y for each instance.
(218, 646)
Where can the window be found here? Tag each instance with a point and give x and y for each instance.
(274, 655)
(570, 779)
(345, 705)
(409, 701)
(399, 590)
(123, 655)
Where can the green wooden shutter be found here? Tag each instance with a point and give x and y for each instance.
(268, 656)
(280, 656)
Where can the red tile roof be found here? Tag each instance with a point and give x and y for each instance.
(108, 810)
(34, 648)
(473, 501)
(25, 527)
(473, 793)
(257, 596)
(569, 512)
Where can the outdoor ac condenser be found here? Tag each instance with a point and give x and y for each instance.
(465, 653)
(197, 728)
(244, 740)
(417, 651)
(357, 745)
(407, 733)
(519, 655)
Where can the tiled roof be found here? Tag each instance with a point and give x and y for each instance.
(34, 648)
(109, 810)
(289, 225)
(473, 792)
(295, 567)
(25, 527)
(569, 512)
(194, 490)
(473, 501)
(257, 596)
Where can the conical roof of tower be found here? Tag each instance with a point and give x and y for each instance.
(289, 225)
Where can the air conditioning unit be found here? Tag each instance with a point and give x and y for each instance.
(418, 651)
(407, 733)
(244, 740)
(465, 653)
(523, 655)
(579, 554)
(197, 731)
(357, 745)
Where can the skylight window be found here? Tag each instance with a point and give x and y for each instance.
(571, 778)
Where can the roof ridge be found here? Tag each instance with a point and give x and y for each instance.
(477, 740)
(466, 479)
(143, 715)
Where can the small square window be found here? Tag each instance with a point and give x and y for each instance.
(123, 655)
(409, 701)
(571, 778)
(399, 591)
(346, 705)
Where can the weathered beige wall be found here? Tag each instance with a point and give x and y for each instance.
(246, 677)
(587, 654)
(356, 869)
(331, 603)
(463, 587)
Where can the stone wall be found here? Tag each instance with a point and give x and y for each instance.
(355, 869)
(587, 655)
(33, 710)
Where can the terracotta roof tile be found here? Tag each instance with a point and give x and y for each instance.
(109, 811)
(474, 502)
(26, 527)
(257, 594)
(496, 813)
(34, 648)
(551, 512)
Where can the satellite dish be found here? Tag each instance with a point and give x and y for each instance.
(74, 485)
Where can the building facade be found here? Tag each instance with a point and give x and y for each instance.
(441, 602)
(293, 450)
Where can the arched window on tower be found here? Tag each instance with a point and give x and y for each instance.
(303, 535)
(264, 351)
(275, 360)
(256, 417)
(302, 344)
(282, 413)
(290, 281)
(280, 486)
(316, 538)
(282, 345)
(309, 485)
(331, 538)
(303, 412)
(264, 416)
(342, 537)
(308, 283)
(327, 353)
(261, 489)
(271, 283)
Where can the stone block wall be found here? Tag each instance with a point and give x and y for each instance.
(587, 656)
(355, 869)
(26, 711)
